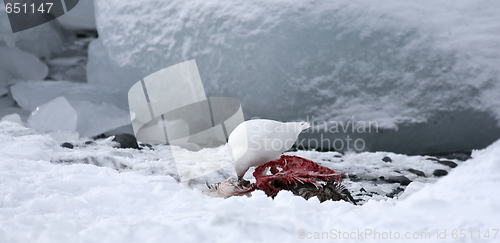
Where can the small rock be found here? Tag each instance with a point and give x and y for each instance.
(448, 163)
(416, 172)
(90, 143)
(100, 136)
(387, 159)
(433, 159)
(458, 156)
(396, 192)
(67, 145)
(403, 180)
(126, 141)
(440, 172)
(145, 145)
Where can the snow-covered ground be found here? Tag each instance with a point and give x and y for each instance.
(54, 194)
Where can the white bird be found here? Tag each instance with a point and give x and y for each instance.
(256, 142)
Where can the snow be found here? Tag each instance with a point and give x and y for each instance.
(55, 115)
(16, 64)
(397, 63)
(81, 17)
(54, 194)
(96, 114)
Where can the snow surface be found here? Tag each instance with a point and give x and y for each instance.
(398, 63)
(54, 194)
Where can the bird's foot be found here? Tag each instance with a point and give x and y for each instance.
(243, 182)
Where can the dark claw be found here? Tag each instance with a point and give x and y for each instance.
(244, 183)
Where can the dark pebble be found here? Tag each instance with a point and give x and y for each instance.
(458, 156)
(433, 159)
(142, 145)
(403, 180)
(100, 136)
(126, 141)
(67, 145)
(387, 159)
(417, 172)
(440, 172)
(448, 163)
(396, 192)
(90, 143)
(362, 189)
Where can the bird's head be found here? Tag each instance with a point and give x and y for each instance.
(240, 169)
(304, 125)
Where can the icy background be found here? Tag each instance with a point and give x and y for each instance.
(428, 71)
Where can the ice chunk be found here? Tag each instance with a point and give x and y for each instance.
(98, 118)
(62, 136)
(3, 91)
(17, 64)
(81, 17)
(99, 66)
(399, 64)
(93, 104)
(55, 115)
(31, 94)
(41, 40)
(13, 118)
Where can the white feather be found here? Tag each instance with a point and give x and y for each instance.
(255, 142)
